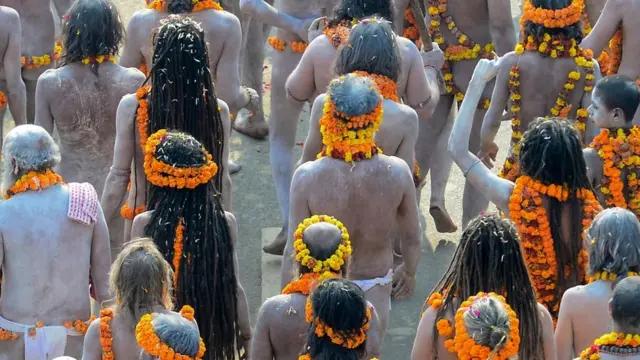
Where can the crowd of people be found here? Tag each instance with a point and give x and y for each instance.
(119, 161)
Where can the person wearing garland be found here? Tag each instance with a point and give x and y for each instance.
(371, 193)
(194, 233)
(53, 240)
(80, 98)
(372, 39)
(316, 69)
(223, 36)
(340, 322)
(488, 258)
(180, 95)
(547, 75)
(14, 92)
(613, 157)
(39, 48)
(141, 282)
(170, 336)
(613, 255)
(322, 250)
(551, 203)
(623, 342)
(466, 31)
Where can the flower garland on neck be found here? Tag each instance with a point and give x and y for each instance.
(178, 246)
(386, 87)
(149, 341)
(613, 343)
(549, 47)
(350, 138)
(142, 114)
(553, 19)
(98, 59)
(528, 213)
(338, 34)
(346, 339)
(198, 5)
(608, 276)
(34, 181)
(462, 343)
(619, 150)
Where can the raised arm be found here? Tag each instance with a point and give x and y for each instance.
(131, 53)
(496, 189)
(16, 89)
(100, 259)
(299, 210)
(501, 27)
(404, 276)
(301, 83)
(115, 186)
(268, 14)
(313, 143)
(605, 27)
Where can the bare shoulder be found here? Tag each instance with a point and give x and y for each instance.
(544, 317)
(223, 107)
(51, 77)
(409, 115)
(231, 219)
(591, 156)
(508, 60)
(133, 76)
(407, 46)
(221, 22)
(129, 101)
(8, 14)
(305, 173)
(320, 99)
(320, 44)
(396, 166)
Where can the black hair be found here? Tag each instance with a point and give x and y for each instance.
(372, 47)
(340, 304)
(179, 6)
(551, 153)
(349, 10)
(573, 31)
(619, 92)
(206, 279)
(624, 304)
(91, 28)
(489, 259)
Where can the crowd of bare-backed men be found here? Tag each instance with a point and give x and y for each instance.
(117, 234)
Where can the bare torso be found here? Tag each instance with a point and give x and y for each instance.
(38, 28)
(82, 106)
(284, 315)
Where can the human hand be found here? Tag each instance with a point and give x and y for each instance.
(488, 153)
(433, 58)
(316, 27)
(403, 283)
(486, 70)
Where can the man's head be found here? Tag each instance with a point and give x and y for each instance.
(372, 47)
(141, 278)
(487, 322)
(179, 6)
(615, 242)
(91, 28)
(560, 24)
(614, 102)
(27, 148)
(349, 10)
(178, 333)
(624, 305)
(322, 240)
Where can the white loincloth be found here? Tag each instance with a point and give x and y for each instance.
(48, 343)
(368, 284)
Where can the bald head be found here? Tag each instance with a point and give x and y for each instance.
(624, 305)
(322, 239)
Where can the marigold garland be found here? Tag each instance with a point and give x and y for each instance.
(347, 339)
(98, 59)
(178, 246)
(626, 344)
(149, 341)
(142, 115)
(106, 337)
(79, 325)
(34, 181)
(280, 45)
(611, 58)
(128, 213)
(162, 174)
(435, 300)
(530, 217)
(338, 34)
(350, 138)
(198, 5)
(334, 262)
(608, 276)
(3, 100)
(6, 335)
(188, 312)
(463, 344)
(306, 282)
(553, 19)
(618, 151)
(410, 30)
(386, 87)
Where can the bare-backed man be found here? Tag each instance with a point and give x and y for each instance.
(53, 238)
(371, 193)
(12, 89)
(80, 98)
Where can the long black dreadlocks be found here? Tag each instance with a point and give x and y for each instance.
(206, 279)
(488, 258)
(552, 154)
(349, 10)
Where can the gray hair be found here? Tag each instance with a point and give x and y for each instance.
(487, 322)
(27, 148)
(178, 333)
(615, 242)
(354, 95)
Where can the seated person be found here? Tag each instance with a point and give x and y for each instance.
(623, 343)
(340, 320)
(613, 255)
(488, 258)
(141, 280)
(322, 248)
